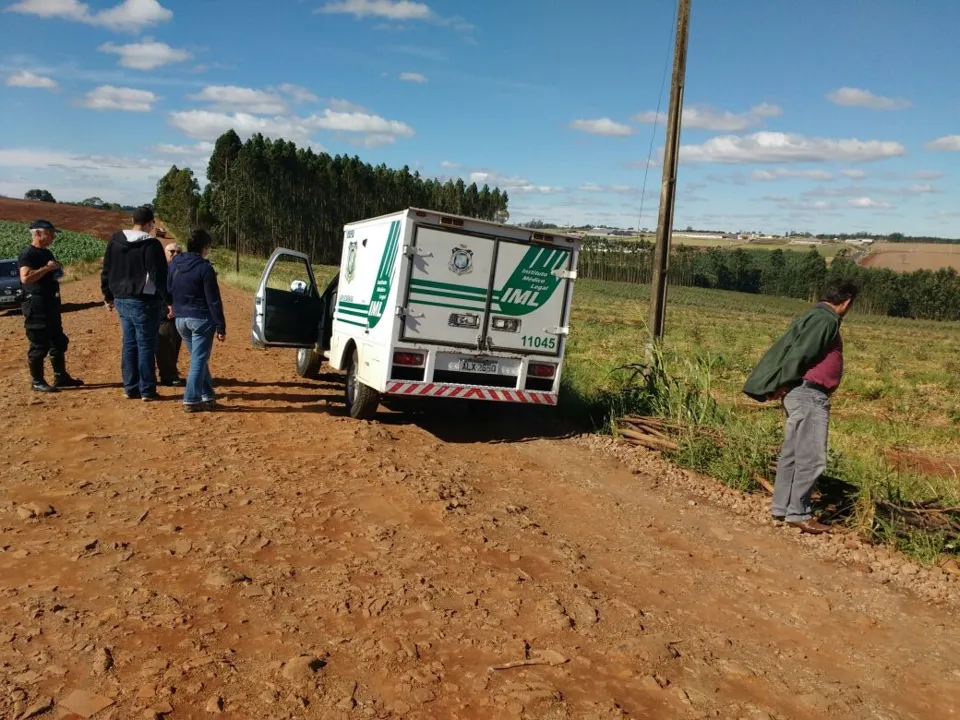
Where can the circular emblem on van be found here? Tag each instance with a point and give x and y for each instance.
(461, 261)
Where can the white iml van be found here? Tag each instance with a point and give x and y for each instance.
(428, 304)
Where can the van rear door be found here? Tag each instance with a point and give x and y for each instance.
(448, 294)
(531, 285)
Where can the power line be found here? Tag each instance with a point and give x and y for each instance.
(656, 118)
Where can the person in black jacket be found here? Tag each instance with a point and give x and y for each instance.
(40, 275)
(134, 281)
(199, 312)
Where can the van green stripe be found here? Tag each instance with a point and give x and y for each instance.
(351, 311)
(448, 286)
(353, 306)
(351, 322)
(444, 294)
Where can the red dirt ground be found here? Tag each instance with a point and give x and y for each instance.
(285, 561)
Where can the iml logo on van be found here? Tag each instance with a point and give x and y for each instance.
(532, 282)
(516, 296)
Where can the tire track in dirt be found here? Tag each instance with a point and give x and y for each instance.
(277, 560)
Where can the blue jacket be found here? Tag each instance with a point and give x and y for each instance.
(192, 282)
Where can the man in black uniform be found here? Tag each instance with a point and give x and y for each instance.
(40, 275)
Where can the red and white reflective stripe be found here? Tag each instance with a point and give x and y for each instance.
(471, 392)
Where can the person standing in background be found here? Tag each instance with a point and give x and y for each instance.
(134, 281)
(169, 340)
(803, 369)
(40, 275)
(199, 312)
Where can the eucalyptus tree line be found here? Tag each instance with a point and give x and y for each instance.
(263, 193)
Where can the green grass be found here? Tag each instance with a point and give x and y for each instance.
(901, 390)
(69, 247)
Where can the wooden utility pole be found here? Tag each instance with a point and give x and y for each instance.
(661, 255)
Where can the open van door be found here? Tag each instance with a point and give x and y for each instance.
(287, 306)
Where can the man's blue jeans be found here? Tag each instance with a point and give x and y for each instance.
(140, 322)
(198, 337)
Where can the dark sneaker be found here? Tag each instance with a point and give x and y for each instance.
(135, 395)
(41, 386)
(196, 407)
(176, 382)
(62, 381)
(150, 397)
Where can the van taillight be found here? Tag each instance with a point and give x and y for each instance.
(541, 370)
(408, 358)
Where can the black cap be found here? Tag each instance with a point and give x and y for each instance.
(43, 225)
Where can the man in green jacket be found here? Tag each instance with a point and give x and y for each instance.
(803, 369)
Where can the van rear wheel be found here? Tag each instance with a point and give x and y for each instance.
(308, 363)
(362, 400)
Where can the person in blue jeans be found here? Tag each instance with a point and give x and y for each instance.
(198, 310)
(134, 283)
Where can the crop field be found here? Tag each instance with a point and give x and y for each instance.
(69, 247)
(907, 257)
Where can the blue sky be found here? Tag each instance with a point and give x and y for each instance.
(818, 116)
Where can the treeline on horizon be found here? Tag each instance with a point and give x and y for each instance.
(896, 237)
(266, 193)
(922, 294)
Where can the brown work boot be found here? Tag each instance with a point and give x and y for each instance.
(811, 526)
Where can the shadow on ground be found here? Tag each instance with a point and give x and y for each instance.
(836, 498)
(77, 307)
(465, 421)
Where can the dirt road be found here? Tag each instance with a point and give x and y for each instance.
(278, 560)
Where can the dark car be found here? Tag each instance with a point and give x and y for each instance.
(10, 289)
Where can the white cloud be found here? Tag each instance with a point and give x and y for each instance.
(705, 117)
(231, 98)
(602, 126)
(861, 202)
(922, 189)
(209, 125)
(776, 147)
(297, 93)
(867, 203)
(781, 173)
(128, 16)
(27, 79)
(948, 142)
(512, 184)
(390, 9)
(146, 55)
(413, 77)
(108, 97)
(370, 130)
(339, 105)
(448, 165)
(358, 122)
(928, 175)
(393, 10)
(855, 97)
(72, 176)
(854, 173)
(191, 151)
(618, 189)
